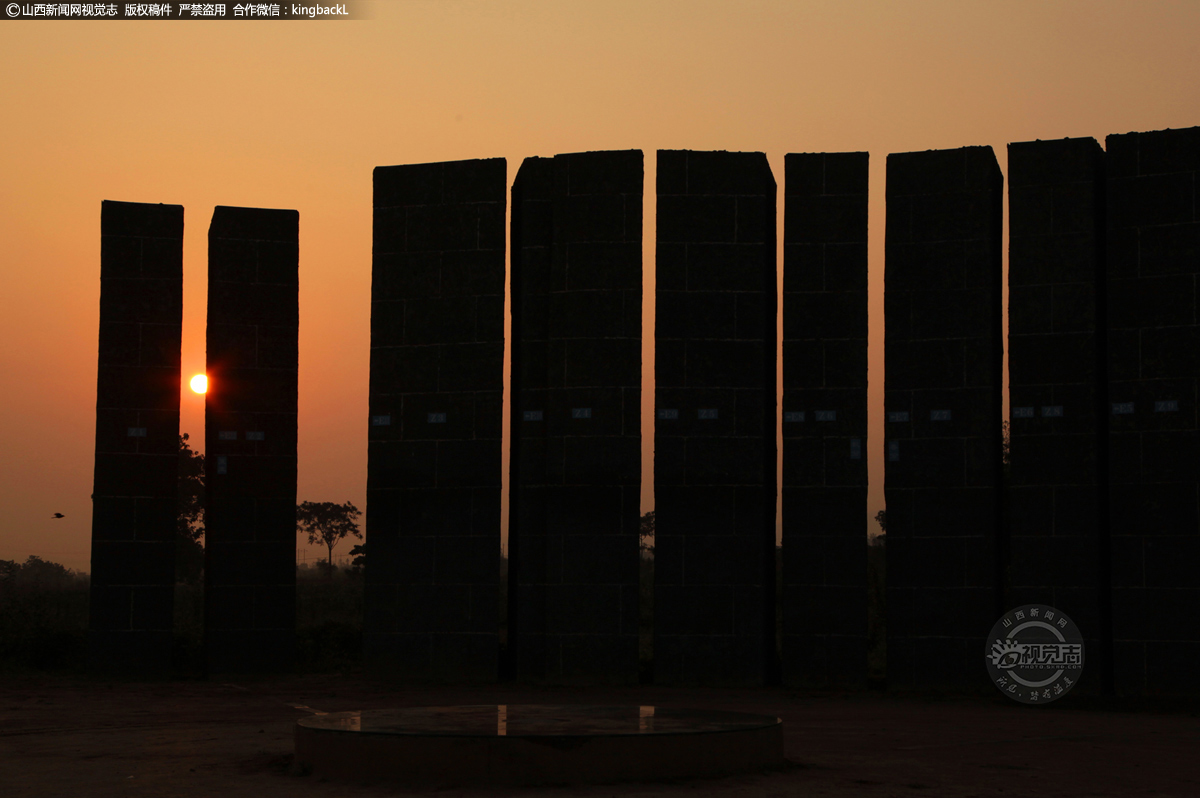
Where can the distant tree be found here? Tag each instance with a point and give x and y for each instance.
(646, 534)
(358, 556)
(881, 519)
(1005, 443)
(328, 523)
(189, 546)
(37, 572)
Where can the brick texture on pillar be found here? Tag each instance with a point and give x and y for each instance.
(250, 438)
(1057, 519)
(576, 417)
(943, 355)
(1153, 264)
(824, 486)
(434, 459)
(714, 441)
(134, 498)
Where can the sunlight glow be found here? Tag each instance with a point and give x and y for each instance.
(199, 383)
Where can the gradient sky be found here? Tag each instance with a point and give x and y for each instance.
(296, 115)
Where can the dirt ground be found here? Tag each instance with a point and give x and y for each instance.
(79, 737)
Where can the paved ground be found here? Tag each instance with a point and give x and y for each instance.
(80, 737)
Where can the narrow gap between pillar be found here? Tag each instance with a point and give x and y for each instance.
(649, 284)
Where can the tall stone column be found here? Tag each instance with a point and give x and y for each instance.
(250, 437)
(433, 457)
(576, 417)
(1058, 518)
(825, 419)
(134, 495)
(714, 440)
(1154, 375)
(942, 384)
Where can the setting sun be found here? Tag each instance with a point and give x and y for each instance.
(199, 383)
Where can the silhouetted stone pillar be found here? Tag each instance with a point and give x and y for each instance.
(250, 437)
(576, 416)
(1154, 366)
(943, 427)
(433, 457)
(1057, 518)
(714, 440)
(134, 498)
(825, 419)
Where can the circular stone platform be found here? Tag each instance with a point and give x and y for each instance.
(527, 744)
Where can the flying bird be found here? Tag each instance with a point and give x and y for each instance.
(57, 515)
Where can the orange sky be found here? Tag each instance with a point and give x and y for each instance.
(296, 115)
